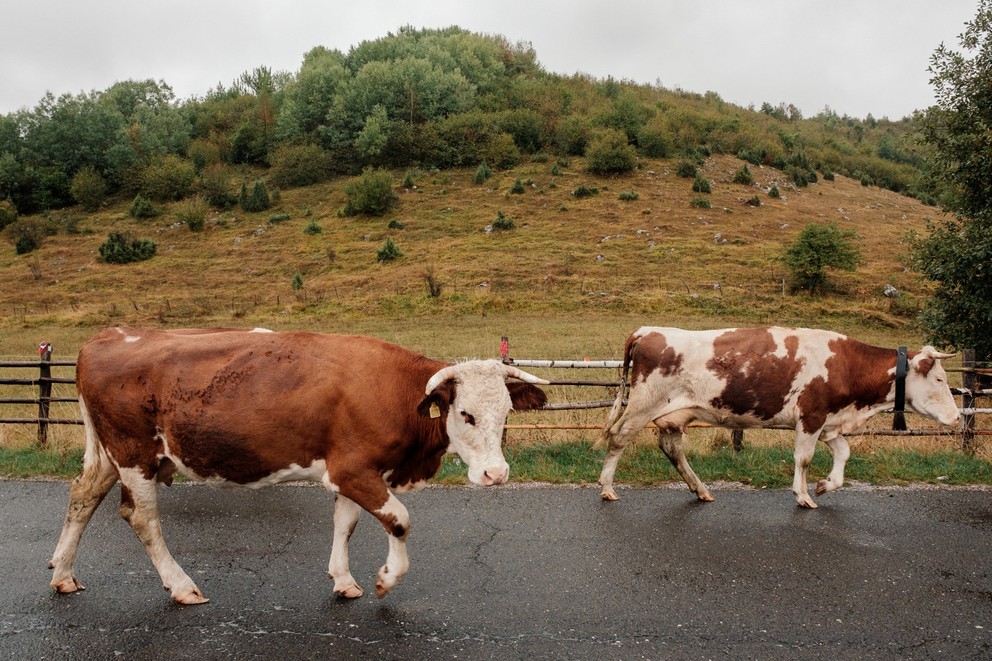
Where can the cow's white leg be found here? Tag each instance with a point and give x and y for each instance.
(86, 493)
(346, 513)
(841, 452)
(805, 446)
(396, 519)
(670, 443)
(139, 507)
(618, 436)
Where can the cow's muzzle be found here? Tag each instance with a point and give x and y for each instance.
(495, 475)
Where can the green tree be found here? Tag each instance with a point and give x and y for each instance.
(818, 248)
(957, 254)
(610, 153)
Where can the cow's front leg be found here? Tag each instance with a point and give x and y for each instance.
(396, 520)
(841, 452)
(805, 446)
(617, 437)
(346, 513)
(370, 493)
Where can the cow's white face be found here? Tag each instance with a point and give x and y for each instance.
(927, 392)
(477, 412)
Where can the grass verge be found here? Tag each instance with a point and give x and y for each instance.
(578, 463)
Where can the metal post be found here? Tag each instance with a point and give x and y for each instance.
(969, 384)
(44, 391)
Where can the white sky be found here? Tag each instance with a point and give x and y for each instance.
(855, 56)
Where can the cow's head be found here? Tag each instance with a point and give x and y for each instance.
(474, 398)
(927, 392)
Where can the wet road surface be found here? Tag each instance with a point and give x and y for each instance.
(515, 573)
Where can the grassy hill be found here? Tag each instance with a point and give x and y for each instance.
(656, 257)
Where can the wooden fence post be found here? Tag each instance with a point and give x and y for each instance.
(44, 392)
(737, 439)
(969, 384)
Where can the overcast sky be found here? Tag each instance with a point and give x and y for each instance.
(855, 56)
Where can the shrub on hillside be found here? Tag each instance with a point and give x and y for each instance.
(300, 165)
(142, 208)
(585, 191)
(502, 223)
(193, 212)
(686, 169)
(26, 234)
(743, 176)
(388, 252)
(255, 200)
(215, 184)
(610, 153)
(170, 178)
(817, 248)
(8, 213)
(371, 193)
(502, 151)
(482, 173)
(123, 248)
(88, 188)
(701, 185)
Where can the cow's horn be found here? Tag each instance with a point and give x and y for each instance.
(516, 373)
(440, 377)
(939, 355)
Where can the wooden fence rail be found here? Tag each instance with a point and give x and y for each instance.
(972, 376)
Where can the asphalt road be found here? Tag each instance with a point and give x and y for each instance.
(515, 573)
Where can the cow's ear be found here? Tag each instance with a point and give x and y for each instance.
(525, 396)
(438, 401)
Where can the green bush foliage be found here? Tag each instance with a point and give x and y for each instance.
(686, 169)
(388, 252)
(27, 234)
(89, 188)
(585, 191)
(169, 178)
(628, 195)
(312, 227)
(215, 185)
(255, 200)
(482, 173)
(817, 248)
(8, 213)
(193, 212)
(610, 153)
(297, 282)
(299, 165)
(517, 188)
(502, 222)
(743, 176)
(753, 201)
(700, 203)
(774, 192)
(123, 248)
(371, 193)
(701, 185)
(142, 208)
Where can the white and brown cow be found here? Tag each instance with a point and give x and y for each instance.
(821, 383)
(252, 408)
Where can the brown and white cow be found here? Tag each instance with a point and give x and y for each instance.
(364, 417)
(821, 383)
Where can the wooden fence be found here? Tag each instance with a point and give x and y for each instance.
(970, 392)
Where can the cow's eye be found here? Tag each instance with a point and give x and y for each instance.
(469, 418)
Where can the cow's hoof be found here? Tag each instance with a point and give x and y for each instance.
(822, 487)
(705, 497)
(190, 597)
(67, 586)
(609, 494)
(349, 592)
(807, 502)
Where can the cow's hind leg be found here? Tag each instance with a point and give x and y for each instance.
(346, 513)
(841, 452)
(617, 437)
(805, 446)
(139, 507)
(86, 493)
(670, 440)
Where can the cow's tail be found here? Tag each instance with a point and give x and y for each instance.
(609, 433)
